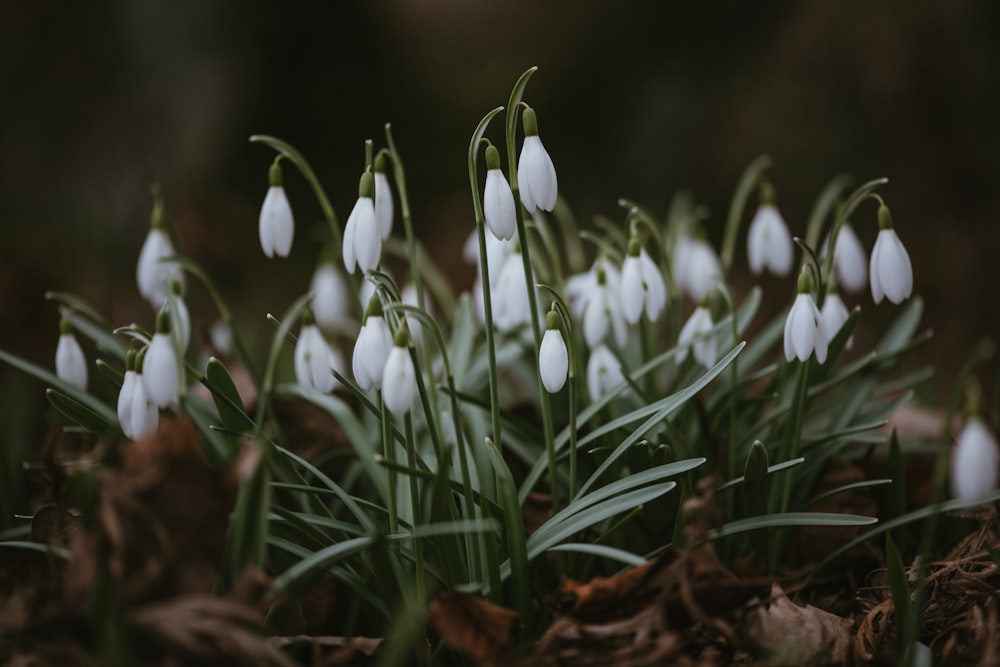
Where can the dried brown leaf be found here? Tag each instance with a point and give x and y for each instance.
(472, 625)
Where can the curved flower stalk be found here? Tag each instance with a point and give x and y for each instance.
(833, 315)
(769, 243)
(642, 285)
(850, 262)
(384, 208)
(371, 351)
(331, 301)
(276, 225)
(362, 243)
(71, 365)
(536, 175)
(498, 200)
(974, 462)
(604, 372)
(890, 268)
(696, 268)
(803, 327)
(399, 379)
(154, 272)
(694, 333)
(314, 359)
(553, 357)
(160, 366)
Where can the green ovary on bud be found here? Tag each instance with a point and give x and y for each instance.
(805, 282)
(492, 157)
(374, 308)
(366, 187)
(530, 122)
(274, 174)
(163, 322)
(552, 320)
(634, 247)
(884, 217)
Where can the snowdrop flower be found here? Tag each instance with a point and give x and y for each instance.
(408, 296)
(536, 175)
(371, 351)
(511, 308)
(399, 379)
(833, 315)
(276, 226)
(330, 301)
(803, 328)
(160, 367)
(974, 462)
(850, 263)
(313, 358)
(383, 199)
(696, 267)
(136, 415)
(154, 272)
(71, 365)
(553, 357)
(890, 269)
(602, 311)
(603, 372)
(497, 252)
(769, 243)
(695, 331)
(362, 243)
(180, 316)
(642, 286)
(580, 287)
(498, 200)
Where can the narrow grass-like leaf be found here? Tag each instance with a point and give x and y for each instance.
(46, 549)
(788, 519)
(902, 604)
(227, 399)
(517, 545)
(83, 415)
(670, 405)
(293, 577)
(113, 375)
(866, 484)
(601, 551)
(777, 467)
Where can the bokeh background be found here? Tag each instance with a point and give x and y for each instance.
(635, 99)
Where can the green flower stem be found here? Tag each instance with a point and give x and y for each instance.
(267, 385)
(536, 330)
(749, 179)
(389, 452)
(463, 451)
(399, 173)
(300, 162)
(225, 314)
(491, 350)
(843, 213)
(790, 446)
(828, 197)
(418, 547)
(567, 322)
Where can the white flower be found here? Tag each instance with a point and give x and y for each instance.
(833, 316)
(769, 243)
(371, 351)
(603, 372)
(362, 243)
(160, 367)
(850, 263)
(696, 330)
(696, 267)
(498, 200)
(71, 365)
(145, 416)
(137, 416)
(153, 274)
(580, 287)
(383, 199)
(803, 327)
(890, 268)
(313, 359)
(330, 296)
(536, 175)
(601, 311)
(221, 336)
(511, 308)
(974, 462)
(642, 288)
(180, 316)
(399, 381)
(276, 226)
(553, 360)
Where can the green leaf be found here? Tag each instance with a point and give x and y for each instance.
(786, 519)
(777, 467)
(601, 551)
(867, 484)
(83, 415)
(46, 549)
(227, 399)
(901, 602)
(294, 577)
(517, 549)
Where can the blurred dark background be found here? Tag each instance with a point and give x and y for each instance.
(634, 99)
